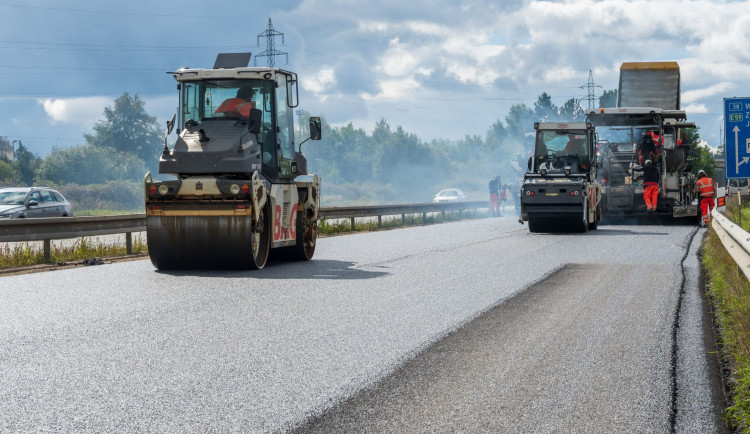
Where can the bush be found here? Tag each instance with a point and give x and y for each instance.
(111, 196)
(89, 164)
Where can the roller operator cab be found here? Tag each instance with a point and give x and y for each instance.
(560, 192)
(238, 189)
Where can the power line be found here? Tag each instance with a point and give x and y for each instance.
(271, 51)
(590, 86)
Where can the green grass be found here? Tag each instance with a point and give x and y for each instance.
(103, 212)
(729, 290)
(26, 254)
(340, 226)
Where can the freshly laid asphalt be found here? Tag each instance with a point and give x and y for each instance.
(468, 326)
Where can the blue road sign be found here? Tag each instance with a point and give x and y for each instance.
(737, 144)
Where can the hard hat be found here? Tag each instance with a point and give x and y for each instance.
(648, 162)
(701, 172)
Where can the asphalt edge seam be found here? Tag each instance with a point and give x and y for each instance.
(675, 329)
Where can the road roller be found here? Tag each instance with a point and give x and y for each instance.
(561, 191)
(239, 190)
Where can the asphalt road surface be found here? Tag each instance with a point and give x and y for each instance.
(475, 326)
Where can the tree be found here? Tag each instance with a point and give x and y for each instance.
(92, 165)
(8, 174)
(519, 120)
(544, 109)
(608, 98)
(128, 128)
(496, 135)
(699, 154)
(572, 111)
(26, 164)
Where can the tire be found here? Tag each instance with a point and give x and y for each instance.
(307, 239)
(260, 239)
(597, 216)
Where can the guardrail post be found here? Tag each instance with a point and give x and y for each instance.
(352, 219)
(380, 221)
(443, 215)
(403, 219)
(129, 243)
(424, 218)
(47, 250)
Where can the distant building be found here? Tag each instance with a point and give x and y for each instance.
(6, 150)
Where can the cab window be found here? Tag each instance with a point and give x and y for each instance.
(285, 124)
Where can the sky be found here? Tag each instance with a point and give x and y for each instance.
(440, 69)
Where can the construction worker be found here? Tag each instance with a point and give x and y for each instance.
(706, 188)
(650, 186)
(494, 196)
(240, 105)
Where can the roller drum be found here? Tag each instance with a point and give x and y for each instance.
(202, 242)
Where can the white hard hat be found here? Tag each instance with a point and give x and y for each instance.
(648, 162)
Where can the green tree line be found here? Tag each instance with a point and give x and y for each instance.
(387, 164)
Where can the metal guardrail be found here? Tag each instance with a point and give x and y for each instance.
(58, 228)
(734, 239)
(352, 212)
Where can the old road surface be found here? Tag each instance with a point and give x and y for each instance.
(475, 326)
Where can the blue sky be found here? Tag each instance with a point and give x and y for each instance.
(440, 69)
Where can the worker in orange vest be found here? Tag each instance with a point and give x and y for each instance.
(240, 105)
(706, 188)
(650, 186)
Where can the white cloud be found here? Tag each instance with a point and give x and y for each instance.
(694, 109)
(698, 94)
(320, 82)
(84, 111)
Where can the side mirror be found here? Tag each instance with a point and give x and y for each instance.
(315, 129)
(170, 124)
(33, 203)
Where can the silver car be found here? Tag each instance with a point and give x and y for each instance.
(33, 202)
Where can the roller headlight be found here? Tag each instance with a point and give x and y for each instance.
(163, 189)
(234, 189)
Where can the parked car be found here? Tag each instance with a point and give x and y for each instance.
(31, 202)
(449, 195)
(735, 185)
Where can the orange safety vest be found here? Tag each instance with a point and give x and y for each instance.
(237, 105)
(706, 186)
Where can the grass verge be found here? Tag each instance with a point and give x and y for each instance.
(729, 292)
(26, 254)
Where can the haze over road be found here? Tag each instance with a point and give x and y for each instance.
(468, 326)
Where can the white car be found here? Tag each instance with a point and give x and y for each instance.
(449, 195)
(735, 185)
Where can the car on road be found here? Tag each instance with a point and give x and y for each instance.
(449, 195)
(33, 202)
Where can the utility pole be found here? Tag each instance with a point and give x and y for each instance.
(590, 86)
(270, 52)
